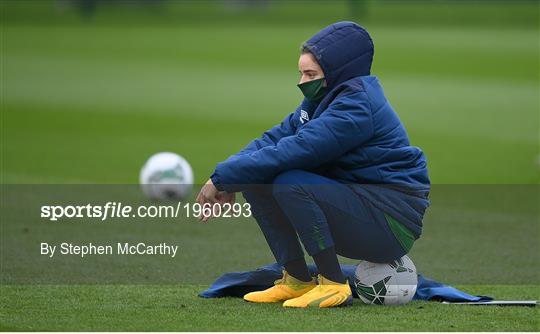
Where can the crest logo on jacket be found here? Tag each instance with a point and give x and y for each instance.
(304, 117)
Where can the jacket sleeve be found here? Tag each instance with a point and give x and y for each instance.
(271, 137)
(345, 124)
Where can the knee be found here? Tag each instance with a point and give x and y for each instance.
(291, 181)
(258, 195)
(293, 176)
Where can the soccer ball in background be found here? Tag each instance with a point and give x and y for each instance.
(166, 176)
(386, 283)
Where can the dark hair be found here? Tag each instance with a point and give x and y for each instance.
(304, 49)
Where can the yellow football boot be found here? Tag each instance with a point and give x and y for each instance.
(285, 288)
(326, 294)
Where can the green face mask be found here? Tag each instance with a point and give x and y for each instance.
(313, 90)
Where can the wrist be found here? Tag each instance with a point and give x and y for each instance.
(215, 180)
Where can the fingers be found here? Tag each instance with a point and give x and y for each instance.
(206, 218)
(210, 196)
(222, 197)
(199, 198)
(203, 217)
(205, 213)
(207, 195)
(232, 199)
(208, 201)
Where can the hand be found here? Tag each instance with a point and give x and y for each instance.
(225, 197)
(208, 195)
(211, 195)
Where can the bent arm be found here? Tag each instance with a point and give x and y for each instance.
(272, 136)
(344, 125)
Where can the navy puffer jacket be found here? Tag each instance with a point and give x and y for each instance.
(353, 135)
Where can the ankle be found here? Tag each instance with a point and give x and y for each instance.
(335, 277)
(324, 280)
(298, 269)
(296, 281)
(328, 265)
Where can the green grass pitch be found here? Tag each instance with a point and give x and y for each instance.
(88, 102)
(176, 308)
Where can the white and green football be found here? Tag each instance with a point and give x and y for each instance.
(386, 283)
(166, 176)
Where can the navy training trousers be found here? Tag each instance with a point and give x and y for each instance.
(321, 213)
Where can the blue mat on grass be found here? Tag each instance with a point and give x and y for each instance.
(237, 284)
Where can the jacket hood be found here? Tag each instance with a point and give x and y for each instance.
(344, 50)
